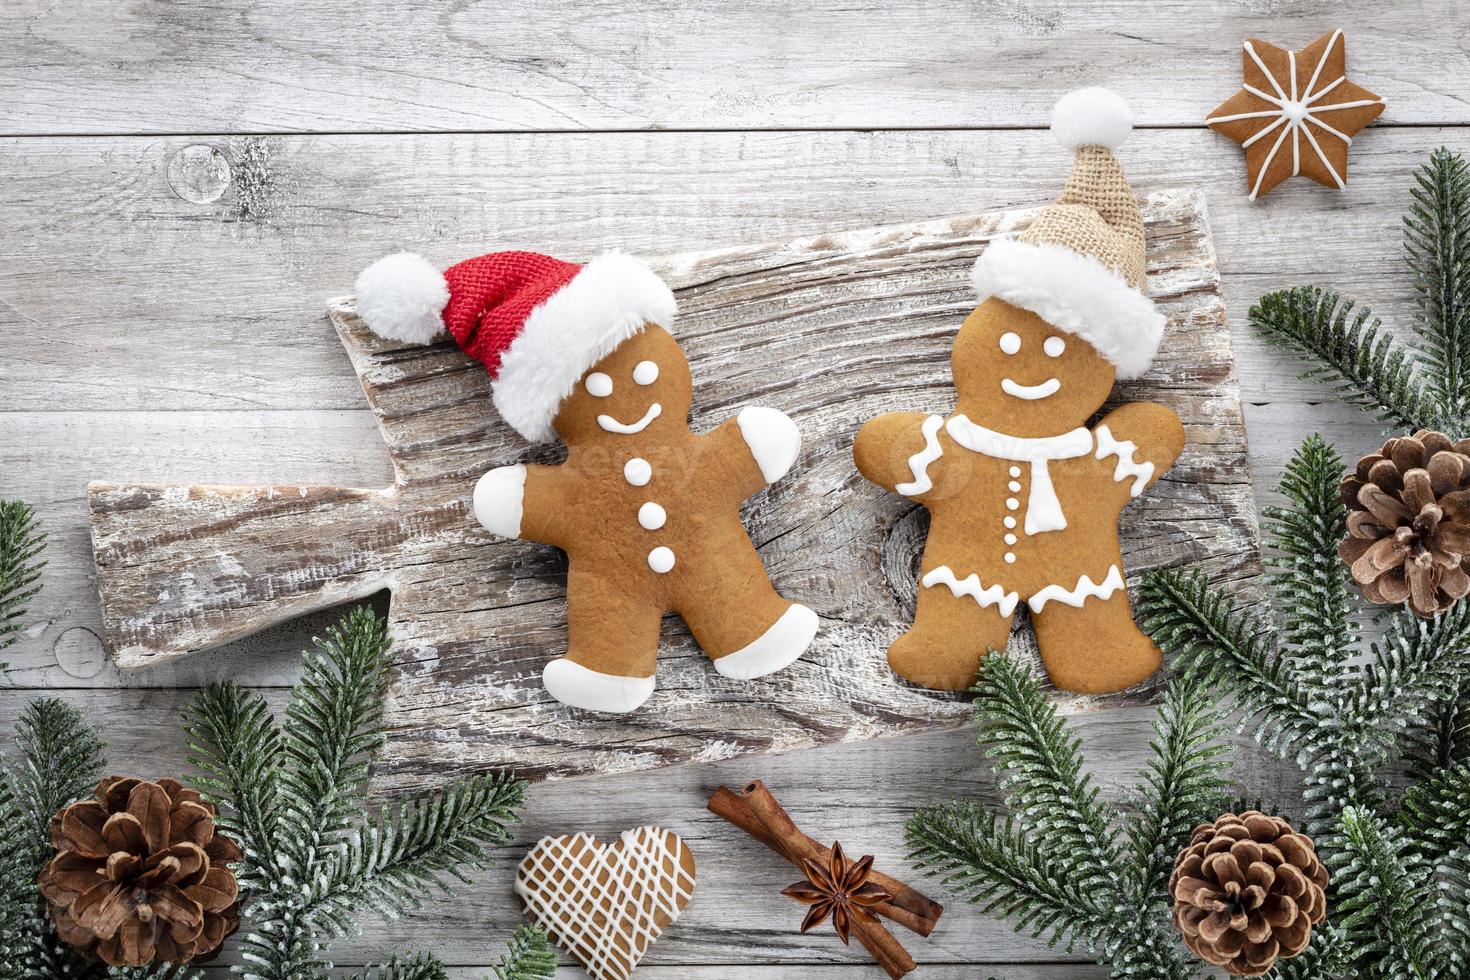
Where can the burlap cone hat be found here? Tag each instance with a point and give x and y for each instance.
(1080, 264)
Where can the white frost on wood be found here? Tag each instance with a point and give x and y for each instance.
(475, 619)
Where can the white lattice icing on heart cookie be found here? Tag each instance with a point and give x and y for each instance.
(605, 904)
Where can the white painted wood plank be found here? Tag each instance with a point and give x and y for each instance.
(96, 66)
(118, 294)
(858, 794)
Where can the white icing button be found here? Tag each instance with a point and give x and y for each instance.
(645, 372)
(1014, 486)
(1012, 503)
(1010, 539)
(652, 516)
(637, 471)
(1010, 522)
(661, 559)
(1009, 343)
(599, 385)
(1015, 471)
(1054, 346)
(1010, 558)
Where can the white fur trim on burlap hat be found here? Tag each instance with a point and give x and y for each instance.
(1080, 265)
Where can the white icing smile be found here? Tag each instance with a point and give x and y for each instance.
(624, 428)
(1030, 393)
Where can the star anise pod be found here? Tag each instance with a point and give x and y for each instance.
(838, 889)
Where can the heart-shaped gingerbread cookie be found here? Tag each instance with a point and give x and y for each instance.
(605, 904)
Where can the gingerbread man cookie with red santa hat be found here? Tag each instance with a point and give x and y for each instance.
(1024, 497)
(647, 511)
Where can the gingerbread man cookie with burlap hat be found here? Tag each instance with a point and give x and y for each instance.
(1024, 497)
(647, 511)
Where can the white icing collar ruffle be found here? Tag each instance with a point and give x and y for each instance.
(1043, 509)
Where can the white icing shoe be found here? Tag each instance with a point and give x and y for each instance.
(776, 648)
(571, 683)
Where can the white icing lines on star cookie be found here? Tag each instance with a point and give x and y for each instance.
(1293, 112)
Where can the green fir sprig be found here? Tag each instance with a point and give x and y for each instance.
(1423, 383)
(21, 544)
(1050, 861)
(316, 858)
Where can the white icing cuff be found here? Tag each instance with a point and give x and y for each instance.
(1127, 466)
(498, 498)
(571, 683)
(919, 461)
(776, 648)
(773, 439)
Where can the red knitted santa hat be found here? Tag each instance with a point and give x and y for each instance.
(535, 322)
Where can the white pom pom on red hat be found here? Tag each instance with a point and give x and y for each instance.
(402, 297)
(1091, 117)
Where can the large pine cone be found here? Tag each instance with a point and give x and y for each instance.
(140, 875)
(1409, 522)
(1246, 890)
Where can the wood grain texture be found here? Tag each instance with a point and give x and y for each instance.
(847, 326)
(737, 917)
(54, 454)
(231, 289)
(96, 66)
(160, 295)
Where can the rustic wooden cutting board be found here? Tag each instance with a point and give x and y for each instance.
(833, 330)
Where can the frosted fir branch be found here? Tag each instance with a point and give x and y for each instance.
(333, 727)
(21, 544)
(1416, 661)
(235, 742)
(1038, 764)
(984, 857)
(1319, 625)
(1436, 813)
(528, 956)
(1437, 249)
(1452, 906)
(392, 862)
(1441, 737)
(1210, 638)
(1358, 360)
(1184, 784)
(1380, 884)
(420, 967)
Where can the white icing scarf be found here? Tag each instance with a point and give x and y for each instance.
(1043, 509)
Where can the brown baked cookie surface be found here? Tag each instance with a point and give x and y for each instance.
(1024, 497)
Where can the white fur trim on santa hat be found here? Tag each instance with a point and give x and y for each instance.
(610, 300)
(402, 297)
(1091, 117)
(1075, 293)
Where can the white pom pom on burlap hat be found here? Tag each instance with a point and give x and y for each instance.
(1080, 264)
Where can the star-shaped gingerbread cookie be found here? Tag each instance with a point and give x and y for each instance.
(1296, 114)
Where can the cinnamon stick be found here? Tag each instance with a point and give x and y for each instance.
(886, 951)
(908, 907)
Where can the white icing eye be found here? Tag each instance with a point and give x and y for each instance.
(1009, 343)
(645, 373)
(1054, 346)
(599, 385)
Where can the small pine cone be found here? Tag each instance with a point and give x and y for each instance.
(1247, 889)
(1409, 522)
(140, 876)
